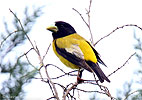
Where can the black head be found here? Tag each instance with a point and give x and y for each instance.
(63, 29)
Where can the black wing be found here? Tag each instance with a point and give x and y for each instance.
(97, 55)
(73, 58)
(96, 68)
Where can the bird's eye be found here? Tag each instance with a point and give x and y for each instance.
(62, 25)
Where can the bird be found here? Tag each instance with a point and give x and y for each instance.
(75, 51)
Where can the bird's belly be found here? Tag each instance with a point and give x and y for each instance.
(67, 63)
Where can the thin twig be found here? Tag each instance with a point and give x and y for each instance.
(64, 75)
(87, 24)
(68, 90)
(22, 28)
(50, 98)
(46, 52)
(56, 67)
(130, 94)
(28, 58)
(30, 62)
(65, 89)
(49, 79)
(69, 73)
(89, 21)
(24, 53)
(81, 16)
(7, 38)
(122, 65)
(90, 4)
(89, 91)
(116, 30)
(53, 85)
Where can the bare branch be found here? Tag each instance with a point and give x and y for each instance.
(116, 30)
(46, 52)
(89, 91)
(90, 6)
(68, 90)
(81, 16)
(52, 89)
(29, 61)
(22, 28)
(7, 38)
(24, 54)
(50, 98)
(56, 67)
(87, 23)
(130, 94)
(69, 73)
(122, 65)
(65, 74)
(39, 56)
(49, 79)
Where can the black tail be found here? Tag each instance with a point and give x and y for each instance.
(96, 68)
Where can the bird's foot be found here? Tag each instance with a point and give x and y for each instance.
(79, 80)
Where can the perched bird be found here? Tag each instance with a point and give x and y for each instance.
(74, 51)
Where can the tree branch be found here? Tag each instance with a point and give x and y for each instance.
(116, 30)
(68, 90)
(7, 38)
(122, 65)
(39, 56)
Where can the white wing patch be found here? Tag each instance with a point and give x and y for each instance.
(74, 49)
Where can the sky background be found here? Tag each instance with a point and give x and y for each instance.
(106, 15)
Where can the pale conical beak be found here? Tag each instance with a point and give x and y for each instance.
(52, 29)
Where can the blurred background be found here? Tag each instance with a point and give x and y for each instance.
(19, 63)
